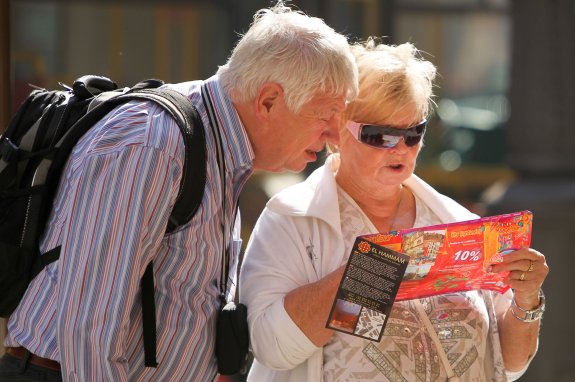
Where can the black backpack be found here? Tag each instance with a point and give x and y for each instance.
(33, 152)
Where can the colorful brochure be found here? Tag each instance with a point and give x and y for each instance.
(454, 257)
(440, 259)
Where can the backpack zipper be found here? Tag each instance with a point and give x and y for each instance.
(24, 229)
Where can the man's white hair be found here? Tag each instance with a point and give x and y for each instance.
(301, 53)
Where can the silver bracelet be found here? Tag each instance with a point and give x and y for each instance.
(529, 315)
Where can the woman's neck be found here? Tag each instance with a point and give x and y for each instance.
(389, 210)
(385, 212)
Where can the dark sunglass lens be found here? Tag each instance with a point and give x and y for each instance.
(388, 137)
(413, 140)
(371, 137)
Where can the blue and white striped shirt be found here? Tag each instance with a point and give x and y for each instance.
(110, 215)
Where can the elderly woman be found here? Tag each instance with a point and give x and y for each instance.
(296, 255)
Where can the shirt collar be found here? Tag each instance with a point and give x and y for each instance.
(315, 197)
(239, 154)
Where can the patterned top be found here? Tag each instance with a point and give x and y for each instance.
(406, 351)
(110, 216)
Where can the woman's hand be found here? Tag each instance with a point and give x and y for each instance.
(527, 271)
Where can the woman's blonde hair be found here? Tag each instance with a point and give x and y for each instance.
(391, 78)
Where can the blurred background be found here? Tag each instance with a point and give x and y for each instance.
(502, 138)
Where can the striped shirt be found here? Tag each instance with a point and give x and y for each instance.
(109, 216)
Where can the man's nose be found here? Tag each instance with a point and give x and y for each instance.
(331, 133)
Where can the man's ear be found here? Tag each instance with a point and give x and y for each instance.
(268, 97)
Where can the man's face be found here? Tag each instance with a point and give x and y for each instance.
(293, 140)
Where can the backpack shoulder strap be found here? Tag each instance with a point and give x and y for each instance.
(189, 196)
(194, 170)
(187, 118)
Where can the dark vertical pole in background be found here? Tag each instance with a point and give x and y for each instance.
(388, 15)
(541, 147)
(5, 104)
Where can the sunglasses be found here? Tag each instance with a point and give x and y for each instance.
(386, 137)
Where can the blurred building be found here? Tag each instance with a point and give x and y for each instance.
(504, 96)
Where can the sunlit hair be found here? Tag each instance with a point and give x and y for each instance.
(391, 79)
(301, 53)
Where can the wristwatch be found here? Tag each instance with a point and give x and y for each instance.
(529, 315)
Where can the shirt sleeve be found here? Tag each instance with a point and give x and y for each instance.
(274, 265)
(120, 205)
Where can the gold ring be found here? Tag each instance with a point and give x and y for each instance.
(522, 277)
(531, 266)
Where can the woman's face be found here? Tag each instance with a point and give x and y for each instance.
(371, 169)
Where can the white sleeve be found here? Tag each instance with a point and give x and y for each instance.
(275, 263)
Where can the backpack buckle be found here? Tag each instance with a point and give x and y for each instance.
(9, 152)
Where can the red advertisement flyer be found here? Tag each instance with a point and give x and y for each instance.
(454, 257)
